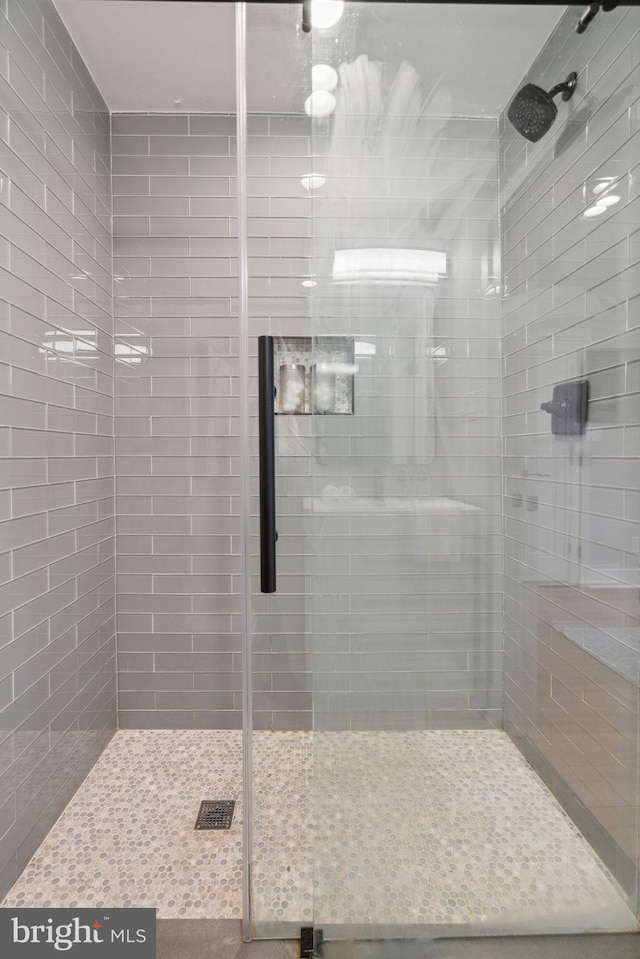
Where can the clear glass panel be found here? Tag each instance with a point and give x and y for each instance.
(457, 603)
(461, 737)
(279, 226)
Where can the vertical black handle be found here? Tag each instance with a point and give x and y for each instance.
(268, 534)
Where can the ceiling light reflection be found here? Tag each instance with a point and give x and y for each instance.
(320, 104)
(323, 77)
(313, 181)
(407, 267)
(326, 13)
(603, 185)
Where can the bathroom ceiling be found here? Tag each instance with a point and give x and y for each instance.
(165, 56)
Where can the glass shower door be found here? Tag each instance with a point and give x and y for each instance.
(406, 508)
(460, 738)
(278, 735)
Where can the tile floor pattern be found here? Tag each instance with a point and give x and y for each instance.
(448, 828)
(444, 827)
(127, 837)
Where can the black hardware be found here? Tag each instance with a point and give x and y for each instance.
(268, 534)
(306, 16)
(566, 88)
(532, 111)
(591, 12)
(310, 942)
(568, 407)
(587, 17)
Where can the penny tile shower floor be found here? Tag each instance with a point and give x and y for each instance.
(446, 827)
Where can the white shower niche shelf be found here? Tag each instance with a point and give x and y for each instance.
(329, 373)
(428, 506)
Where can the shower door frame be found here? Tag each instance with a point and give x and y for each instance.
(580, 942)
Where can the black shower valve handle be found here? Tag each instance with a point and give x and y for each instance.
(568, 408)
(556, 408)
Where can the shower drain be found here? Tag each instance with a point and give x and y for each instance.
(215, 814)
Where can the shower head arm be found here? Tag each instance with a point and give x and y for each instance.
(567, 88)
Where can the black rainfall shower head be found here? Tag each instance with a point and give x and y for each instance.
(533, 111)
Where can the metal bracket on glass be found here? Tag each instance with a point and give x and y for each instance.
(592, 10)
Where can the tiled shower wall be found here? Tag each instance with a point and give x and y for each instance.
(177, 419)
(407, 615)
(177, 446)
(572, 503)
(415, 642)
(57, 608)
(280, 230)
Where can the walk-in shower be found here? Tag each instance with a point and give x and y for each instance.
(319, 398)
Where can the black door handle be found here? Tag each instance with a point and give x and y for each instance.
(266, 416)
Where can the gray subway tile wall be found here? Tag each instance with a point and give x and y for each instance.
(570, 311)
(177, 411)
(57, 665)
(177, 445)
(407, 606)
(166, 446)
(280, 150)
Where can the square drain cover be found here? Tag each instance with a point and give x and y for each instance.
(215, 814)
